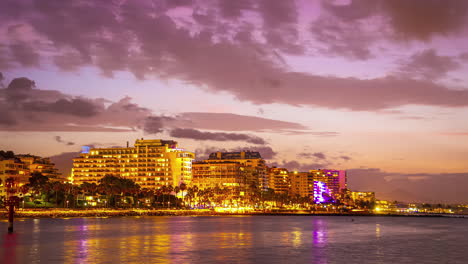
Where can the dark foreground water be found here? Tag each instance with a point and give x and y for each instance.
(246, 239)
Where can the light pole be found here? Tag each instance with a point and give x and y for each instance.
(67, 203)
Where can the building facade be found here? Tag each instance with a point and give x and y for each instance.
(255, 168)
(13, 168)
(302, 183)
(279, 180)
(328, 185)
(227, 174)
(150, 163)
(41, 165)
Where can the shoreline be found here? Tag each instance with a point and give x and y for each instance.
(79, 213)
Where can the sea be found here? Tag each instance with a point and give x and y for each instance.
(236, 239)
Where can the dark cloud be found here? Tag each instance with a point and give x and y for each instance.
(154, 124)
(297, 166)
(77, 107)
(25, 54)
(421, 19)
(316, 155)
(233, 122)
(265, 151)
(233, 9)
(60, 140)
(347, 39)
(416, 187)
(25, 108)
(345, 158)
(406, 19)
(157, 46)
(356, 9)
(427, 64)
(215, 136)
(464, 56)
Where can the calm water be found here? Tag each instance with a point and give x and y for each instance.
(249, 239)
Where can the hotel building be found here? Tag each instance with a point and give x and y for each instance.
(279, 180)
(255, 168)
(328, 185)
(209, 174)
(150, 163)
(13, 168)
(302, 183)
(41, 165)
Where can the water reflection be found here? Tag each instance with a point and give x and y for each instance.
(8, 248)
(320, 233)
(226, 239)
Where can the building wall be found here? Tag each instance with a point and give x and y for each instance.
(150, 163)
(334, 182)
(209, 174)
(42, 165)
(279, 180)
(302, 183)
(13, 168)
(254, 165)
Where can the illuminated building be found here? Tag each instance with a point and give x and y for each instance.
(278, 179)
(302, 183)
(41, 165)
(363, 196)
(321, 192)
(328, 185)
(254, 166)
(209, 174)
(13, 168)
(150, 163)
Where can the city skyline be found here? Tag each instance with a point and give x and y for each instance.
(371, 87)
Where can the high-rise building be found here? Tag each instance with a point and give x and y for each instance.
(254, 166)
(150, 163)
(42, 165)
(302, 183)
(279, 180)
(328, 185)
(209, 174)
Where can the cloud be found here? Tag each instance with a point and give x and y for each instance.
(158, 45)
(316, 155)
(25, 108)
(215, 136)
(25, 54)
(64, 162)
(414, 187)
(427, 64)
(265, 151)
(232, 122)
(297, 166)
(345, 158)
(410, 18)
(154, 124)
(59, 140)
(349, 39)
(407, 19)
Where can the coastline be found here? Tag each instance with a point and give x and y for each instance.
(66, 213)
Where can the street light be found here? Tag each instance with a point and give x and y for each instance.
(67, 203)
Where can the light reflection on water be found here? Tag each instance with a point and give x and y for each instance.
(249, 239)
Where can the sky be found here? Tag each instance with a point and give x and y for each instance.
(375, 87)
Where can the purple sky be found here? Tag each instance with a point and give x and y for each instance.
(377, 87)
